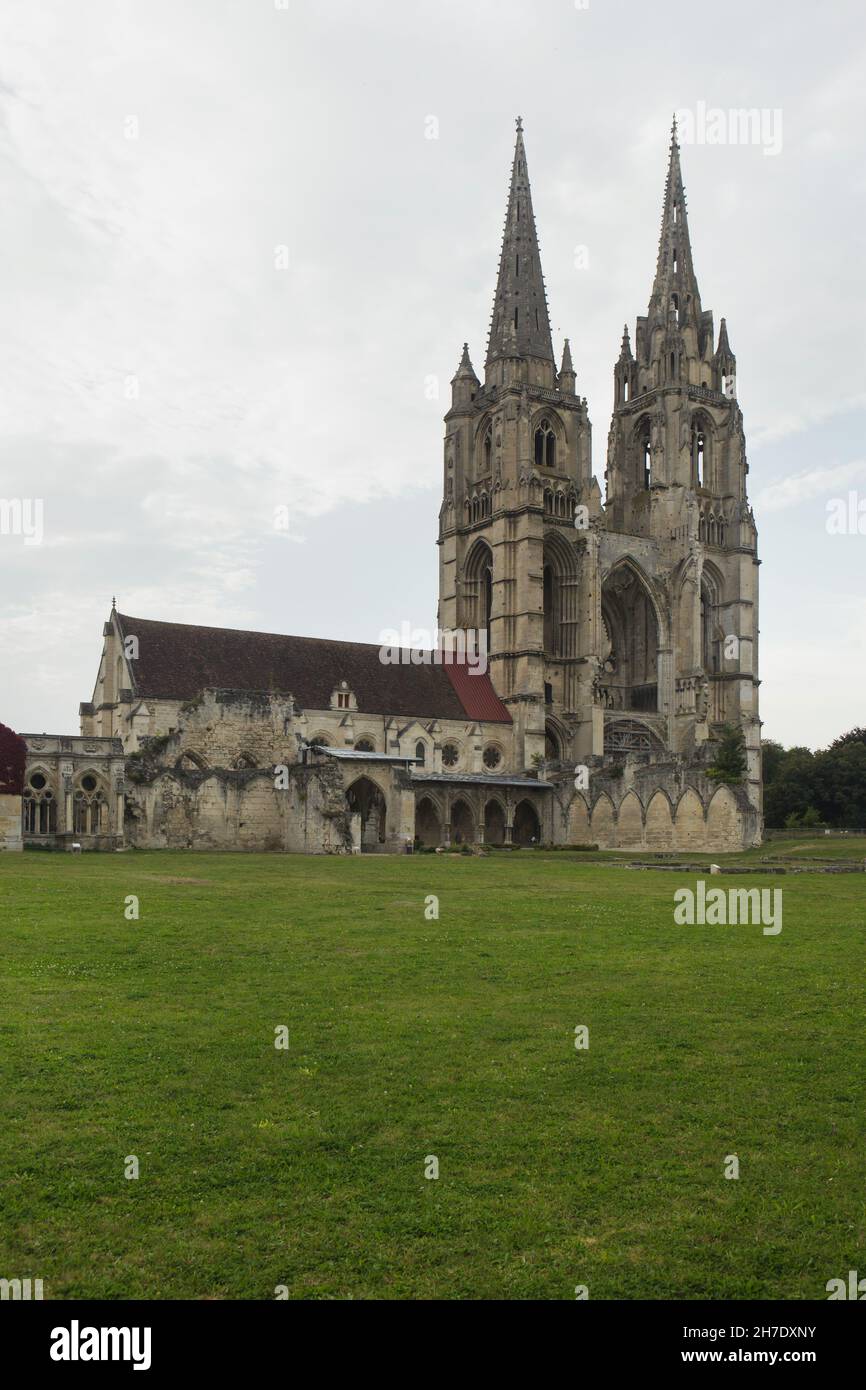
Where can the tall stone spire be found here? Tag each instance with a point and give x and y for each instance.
(675, 283)
(520, 326)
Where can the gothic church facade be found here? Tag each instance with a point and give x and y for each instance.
(622, 634)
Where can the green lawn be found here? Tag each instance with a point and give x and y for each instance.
(410, 1038)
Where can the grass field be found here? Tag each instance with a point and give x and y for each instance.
(412, 1037)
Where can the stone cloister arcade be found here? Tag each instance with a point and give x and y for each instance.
(479, 815)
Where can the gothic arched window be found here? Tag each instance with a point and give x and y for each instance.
(700, 453)
(545, 445)
(487, 450)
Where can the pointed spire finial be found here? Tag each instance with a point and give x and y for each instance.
(465, 367)
(113, 603)
(674, 141)
(520, 324)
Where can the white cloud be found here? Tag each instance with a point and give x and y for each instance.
(810, 483)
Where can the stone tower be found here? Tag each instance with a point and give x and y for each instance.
(517, 463)
(679, 562)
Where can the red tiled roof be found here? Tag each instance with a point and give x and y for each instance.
(476, 694)
(177, 661)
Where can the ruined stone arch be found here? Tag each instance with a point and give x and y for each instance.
(724, 821)
(659, 821)
(691, 829)
(602, 821)
(559, 599)
(640, 450)
(630, 821)
(244, 761)
(191, 761)
(636, 629)
(579, 829)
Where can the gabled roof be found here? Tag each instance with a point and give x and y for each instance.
(177, 661)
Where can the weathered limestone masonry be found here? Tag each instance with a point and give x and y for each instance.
(13, 763)
(622, 635)
(10, 822)
(622, 638)
(74, 789)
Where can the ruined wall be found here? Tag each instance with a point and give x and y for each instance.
(224, 809)
(661, 807)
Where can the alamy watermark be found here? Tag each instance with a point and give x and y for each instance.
(22, 516)
(711, 125)
(713, 907)
(414, 646)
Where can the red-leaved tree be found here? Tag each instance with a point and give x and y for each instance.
(13, 756)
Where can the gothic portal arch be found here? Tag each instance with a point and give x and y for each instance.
(631, 621)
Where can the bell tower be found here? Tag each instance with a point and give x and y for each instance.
(517, 465)
(677, 501)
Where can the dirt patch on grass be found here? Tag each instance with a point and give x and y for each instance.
(168, 878)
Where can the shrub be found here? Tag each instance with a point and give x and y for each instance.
(13, 758)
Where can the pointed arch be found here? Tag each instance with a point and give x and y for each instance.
(629, 822)
(702, 432)
(547, 434)
(494, 822)
(641, 451)
(559, 594)
(191, 761)
(462, 822)
(724, 821)
(476, 590)
(428, 822)
(527, 826)
(659, 822)
(691, 830)
(579, 830)
(602, 821)
(636, 630)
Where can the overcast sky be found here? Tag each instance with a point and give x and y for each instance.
(234, 266)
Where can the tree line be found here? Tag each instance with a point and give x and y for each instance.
(826, 788)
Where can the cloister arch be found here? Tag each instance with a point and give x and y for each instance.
(527, 826)
(428, 823)
(494, 822)
(462, 823)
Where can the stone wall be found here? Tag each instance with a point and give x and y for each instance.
(10, 822)
(666, 807)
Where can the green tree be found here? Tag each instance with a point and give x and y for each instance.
(729, 764)
(793, 788)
